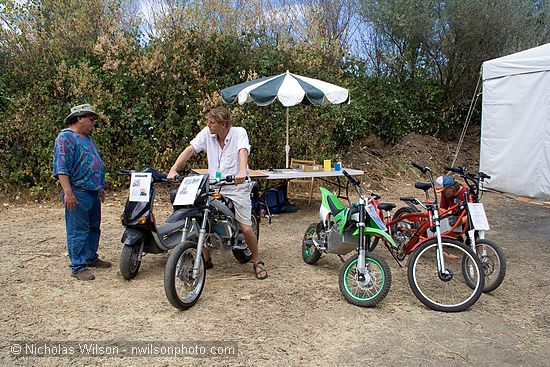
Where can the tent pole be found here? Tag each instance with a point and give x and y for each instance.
(287, 147)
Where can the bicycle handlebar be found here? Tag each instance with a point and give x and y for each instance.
(484, 175)
(460, 169)
(422, 168)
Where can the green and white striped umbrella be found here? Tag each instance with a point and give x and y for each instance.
(290, 89)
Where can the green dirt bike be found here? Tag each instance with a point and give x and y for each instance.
(365, 278)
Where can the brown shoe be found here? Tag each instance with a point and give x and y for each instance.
(85, 274)
(100, 264)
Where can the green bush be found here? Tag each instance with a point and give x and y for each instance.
(152, 97)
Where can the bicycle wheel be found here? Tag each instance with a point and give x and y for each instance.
(453, 290)
(182, 290)
(493, 264)
(369, 291)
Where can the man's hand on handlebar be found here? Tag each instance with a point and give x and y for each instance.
(240, 177)
(172, 174)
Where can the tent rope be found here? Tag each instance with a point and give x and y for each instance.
(468, 118)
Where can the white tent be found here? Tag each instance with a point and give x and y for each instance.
(515, 127)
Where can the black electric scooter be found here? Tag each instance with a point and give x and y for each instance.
(142, 236)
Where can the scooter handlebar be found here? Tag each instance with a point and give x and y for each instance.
(350, 178)
(229, 179)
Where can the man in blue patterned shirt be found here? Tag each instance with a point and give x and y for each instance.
(81, 172)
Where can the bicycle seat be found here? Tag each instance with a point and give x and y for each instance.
(425, 186)
(386, 206)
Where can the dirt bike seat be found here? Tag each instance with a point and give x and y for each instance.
(335, 207)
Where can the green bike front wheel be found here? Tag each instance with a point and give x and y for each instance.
(368, 289)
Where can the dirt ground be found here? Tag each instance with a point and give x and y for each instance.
(295, 317)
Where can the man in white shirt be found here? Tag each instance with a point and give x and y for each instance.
(227, 149)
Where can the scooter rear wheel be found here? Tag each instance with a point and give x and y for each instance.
(182, 290)
(129, 261)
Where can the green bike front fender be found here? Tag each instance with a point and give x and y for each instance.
(377, 232)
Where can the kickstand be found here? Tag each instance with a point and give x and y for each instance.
(395, 257)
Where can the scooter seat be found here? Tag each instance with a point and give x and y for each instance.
(169, 228)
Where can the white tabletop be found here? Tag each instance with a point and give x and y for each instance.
(289, 174)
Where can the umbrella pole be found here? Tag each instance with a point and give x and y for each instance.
(287, 147)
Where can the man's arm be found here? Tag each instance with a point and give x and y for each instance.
(183, 157)
(243, 162)
(70, 200)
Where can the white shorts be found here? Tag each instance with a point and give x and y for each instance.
(240, 195)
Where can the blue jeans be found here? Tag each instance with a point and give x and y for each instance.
(83, 230)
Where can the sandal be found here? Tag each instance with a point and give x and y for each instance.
(259, 269)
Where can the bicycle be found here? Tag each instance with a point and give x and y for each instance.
(491, 255)
(432, 271)
(409, 219)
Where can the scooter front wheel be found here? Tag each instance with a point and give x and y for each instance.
(181, 288)
(368, 289)
(130, 261)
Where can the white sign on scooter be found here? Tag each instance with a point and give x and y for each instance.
(140, 187)
(187, 192)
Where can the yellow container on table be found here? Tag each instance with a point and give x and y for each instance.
(327, 165)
